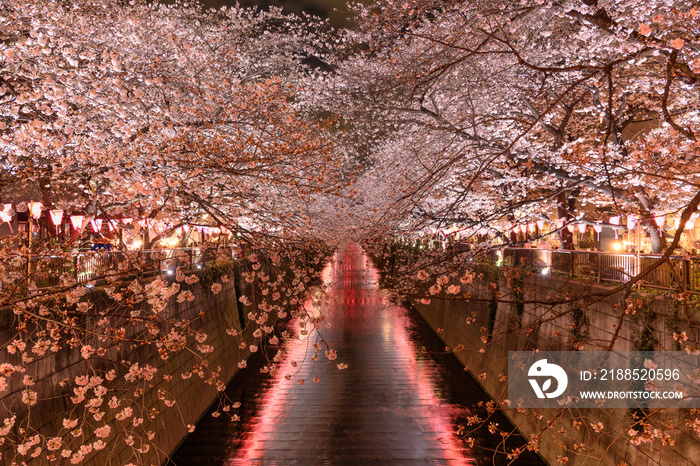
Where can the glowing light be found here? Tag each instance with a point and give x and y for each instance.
(5, 217)
(35, 209)
(170, 242)
(56, 216)
(617, 246)
(96, 225)
(77, 222)
(660, 221)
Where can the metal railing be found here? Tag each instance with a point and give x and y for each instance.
(85, 266)
(677, 272)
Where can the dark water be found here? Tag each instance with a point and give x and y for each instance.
(399, 401)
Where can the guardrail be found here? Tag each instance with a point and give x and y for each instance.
(677, 272)
(85, 266)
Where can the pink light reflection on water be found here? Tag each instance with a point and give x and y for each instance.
(355, 305)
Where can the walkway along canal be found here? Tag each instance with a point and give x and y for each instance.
(400, 401)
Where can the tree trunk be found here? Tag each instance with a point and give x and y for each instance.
(565, 209)
(658, 241)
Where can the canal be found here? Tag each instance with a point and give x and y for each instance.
(400, 400)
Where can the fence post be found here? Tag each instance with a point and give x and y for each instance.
(599, 266)
(571, 263)
(686, 272)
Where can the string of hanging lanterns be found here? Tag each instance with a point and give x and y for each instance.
(79, 221)
(614, 222)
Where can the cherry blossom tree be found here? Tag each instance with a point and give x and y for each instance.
(174, 119)
(483, 115)
(493, 112)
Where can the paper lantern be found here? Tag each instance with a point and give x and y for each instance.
(96, 225)
(615, 220)
(570, 228)
(559, 223)
(35, 209)
(531, 227)
(598, 229)
(56, 216)
(77, 222)
(127, 221)
(111, 225)
(516, 229)
(523, 229)
(5, 217)
(582, 227)
(660, 221)
(540, 224)
(631, 221)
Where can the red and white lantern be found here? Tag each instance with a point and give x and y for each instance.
(5, 217)
(56, 216)
(660, 222)
(35, 209)
(598, 229)
(96, 225)
(77, 222)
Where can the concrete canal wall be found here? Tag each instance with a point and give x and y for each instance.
(209, 313)
(559, 328)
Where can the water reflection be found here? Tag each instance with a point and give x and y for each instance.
(399, 401)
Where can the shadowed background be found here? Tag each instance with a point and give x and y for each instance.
(322, 8)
